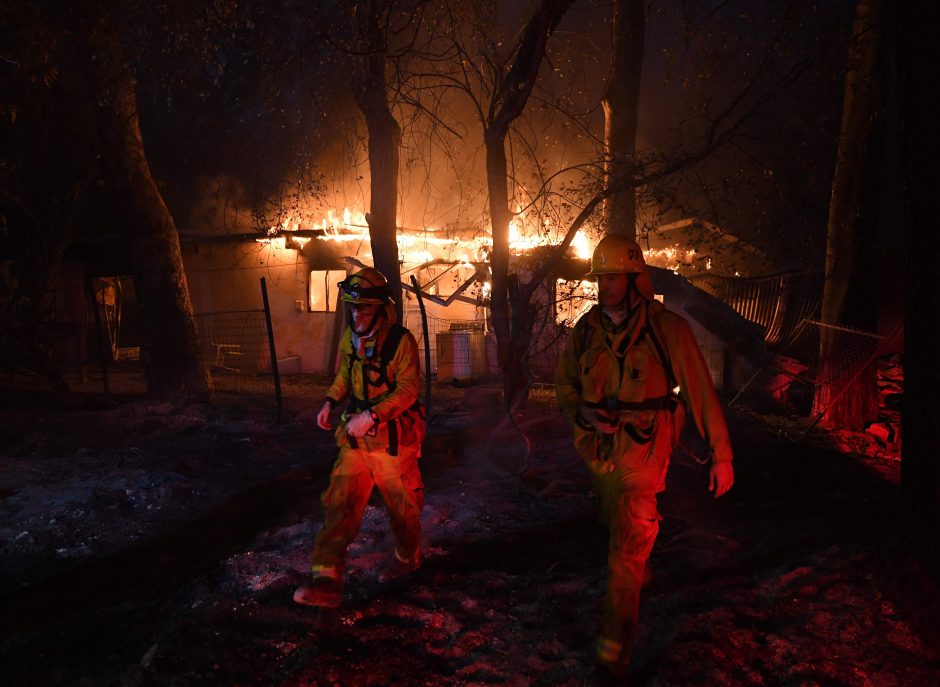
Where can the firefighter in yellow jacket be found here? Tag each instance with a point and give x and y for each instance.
(629, 372)
(379, 437)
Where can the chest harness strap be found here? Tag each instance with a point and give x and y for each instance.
(668, 402)
(387, 352)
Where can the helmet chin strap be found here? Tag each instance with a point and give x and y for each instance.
(627, 302)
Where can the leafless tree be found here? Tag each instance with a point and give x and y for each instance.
(372, 22)
(621, 109)
(173, 356)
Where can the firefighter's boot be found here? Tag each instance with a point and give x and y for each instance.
(399, 568)
(323, 592)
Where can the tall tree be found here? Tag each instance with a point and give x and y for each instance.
(850, 291)
(499, 78)
(174, 362)
(47, 171)
(370, 89)
(919, 53)
(510, 313)
(621, 109)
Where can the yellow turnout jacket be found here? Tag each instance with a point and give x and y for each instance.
(631, 371)
(389, 388)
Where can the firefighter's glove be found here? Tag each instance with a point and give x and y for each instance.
(604, 421)
(323, 417)
(720, 478)
(359, 424)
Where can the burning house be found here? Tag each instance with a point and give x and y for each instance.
(302, 264)
(302, 267)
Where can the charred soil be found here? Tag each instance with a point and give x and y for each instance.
(150, 545)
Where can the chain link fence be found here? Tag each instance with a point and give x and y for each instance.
(235, 346)
(459, 349)
(789, 380)
(466, 350)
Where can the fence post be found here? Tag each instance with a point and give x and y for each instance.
(427, 346)
(93, 301)
(274, 372)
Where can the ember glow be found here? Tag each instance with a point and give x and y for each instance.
(464, 254)
(678, 257)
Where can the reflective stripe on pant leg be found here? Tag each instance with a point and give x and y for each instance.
(399, 481)
(331, 571)
(634, 526)
(608, 651)
(344, 501)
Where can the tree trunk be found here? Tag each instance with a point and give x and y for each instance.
(919, 54)
(620, 102)
(509, 301)
(173, 358)
(500, 215)
(370, 89)
(850, 291)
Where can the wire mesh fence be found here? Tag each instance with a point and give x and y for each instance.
(815, 355)
(465, 349)
(458, 348)
(235, 346)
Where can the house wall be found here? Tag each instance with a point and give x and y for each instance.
(226, 277)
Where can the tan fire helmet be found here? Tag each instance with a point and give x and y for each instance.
(368, 285)
(617, 254)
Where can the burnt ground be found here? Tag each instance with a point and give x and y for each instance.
(144, 544)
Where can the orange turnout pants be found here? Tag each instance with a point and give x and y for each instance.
(355, 473)
(628, 509)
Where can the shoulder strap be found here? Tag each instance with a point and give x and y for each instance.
(387, 352)
(661, 351)
(391, 342)
(583, 331)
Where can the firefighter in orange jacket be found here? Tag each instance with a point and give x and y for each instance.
(379, 437)
(630, 370)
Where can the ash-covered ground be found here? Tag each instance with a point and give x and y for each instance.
(144, 544)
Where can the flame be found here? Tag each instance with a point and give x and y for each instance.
(349, 226)
(275, 242)
(580, 245)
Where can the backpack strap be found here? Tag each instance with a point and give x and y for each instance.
(661, 351)
(668, 402)
(386, 353)
(584, 331)
(389, 347)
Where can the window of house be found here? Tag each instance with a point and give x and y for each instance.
(324, 289)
